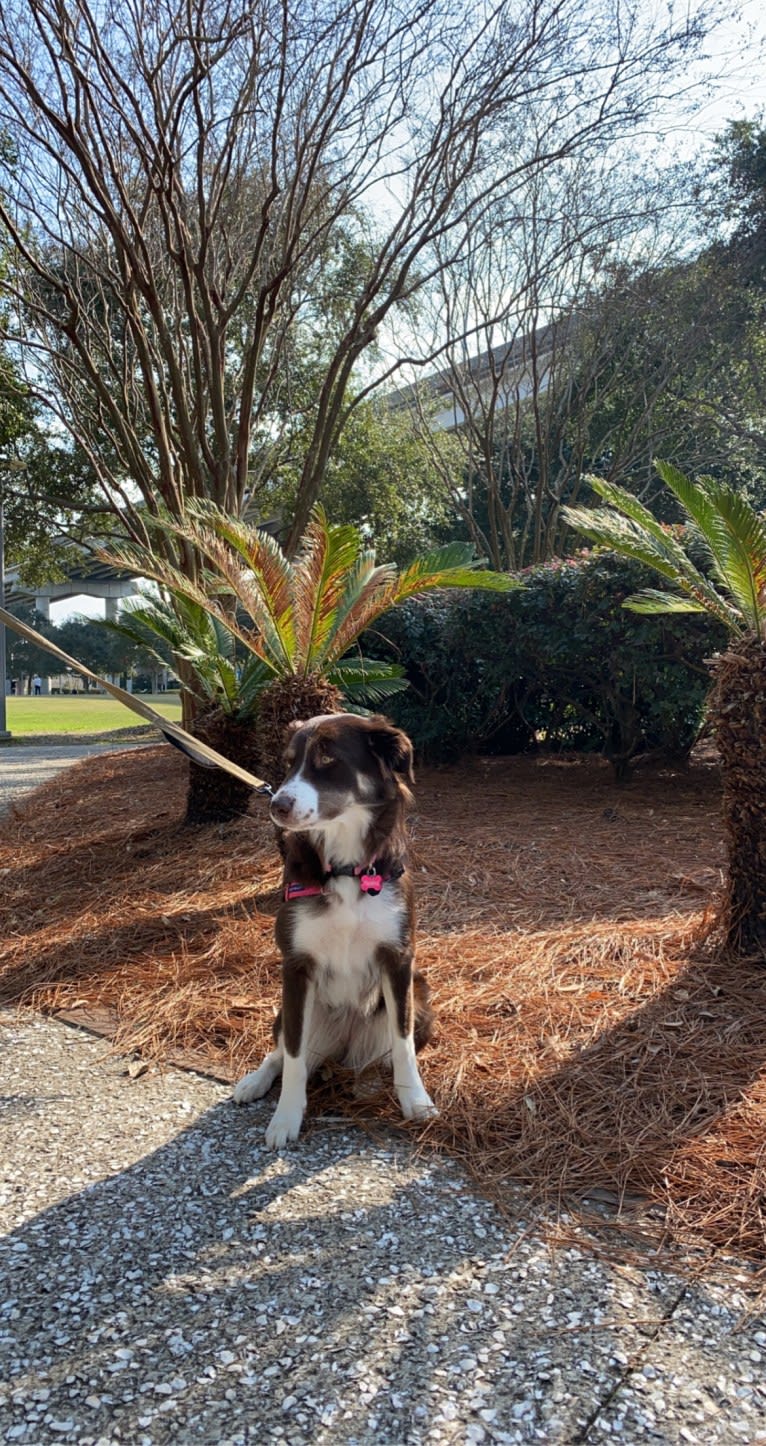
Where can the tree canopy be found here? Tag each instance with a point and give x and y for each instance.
(200, 195)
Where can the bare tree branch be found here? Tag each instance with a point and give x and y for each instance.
(186, 171)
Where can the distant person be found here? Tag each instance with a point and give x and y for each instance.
(37, 684)
(13, 687)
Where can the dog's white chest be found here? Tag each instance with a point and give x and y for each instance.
(343, 940)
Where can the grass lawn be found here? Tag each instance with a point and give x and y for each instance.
(79, 714)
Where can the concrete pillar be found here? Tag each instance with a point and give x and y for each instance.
(43, 607)
(111, 605)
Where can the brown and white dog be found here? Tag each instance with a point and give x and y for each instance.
(346, 927)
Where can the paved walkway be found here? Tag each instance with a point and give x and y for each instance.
(24, 767)
(164, 1280)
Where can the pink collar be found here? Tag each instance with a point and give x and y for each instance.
(370, 881)
(302, 891)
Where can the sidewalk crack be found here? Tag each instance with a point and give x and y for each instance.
(632, 1366)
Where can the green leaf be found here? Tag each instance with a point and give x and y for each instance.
(368, 680)
(255, 676)
(609, 529)
(326, 561)
(452, 566)
(628, 528)
(741, 565)
(651, 600)
(733, 532)
(363, 598)
(305, 615)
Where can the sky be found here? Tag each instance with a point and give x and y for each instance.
(735, 58)
(738, 46)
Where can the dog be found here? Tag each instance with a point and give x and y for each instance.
(346, 926)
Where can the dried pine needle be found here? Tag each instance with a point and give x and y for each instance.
(590, 1039)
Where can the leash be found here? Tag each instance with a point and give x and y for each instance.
(194, 748)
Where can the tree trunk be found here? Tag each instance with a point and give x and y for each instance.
(738, 712)
(282, 703)
(214, 796)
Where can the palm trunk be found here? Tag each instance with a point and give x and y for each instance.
(738, 711)
(282, 703)
(214, 796)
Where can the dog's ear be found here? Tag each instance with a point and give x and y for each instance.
(392, 747)
(289, 733)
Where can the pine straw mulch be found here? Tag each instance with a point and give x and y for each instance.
(590, 1044)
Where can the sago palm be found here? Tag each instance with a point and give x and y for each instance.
(301, 617)
(223, 694)
(729, 538)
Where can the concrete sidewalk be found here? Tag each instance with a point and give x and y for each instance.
(164, 1279)
(25, 767)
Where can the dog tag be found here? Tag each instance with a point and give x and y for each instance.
(371, 883)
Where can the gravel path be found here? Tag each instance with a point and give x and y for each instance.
(23, 768)
(166, 1279)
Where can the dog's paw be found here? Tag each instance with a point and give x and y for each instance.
(285, 1125)
(417, 1105)
(253, 1086)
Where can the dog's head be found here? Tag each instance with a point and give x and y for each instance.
(338, 762)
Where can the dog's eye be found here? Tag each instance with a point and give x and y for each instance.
(323, 760)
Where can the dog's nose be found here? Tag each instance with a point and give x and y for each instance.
(281, 807)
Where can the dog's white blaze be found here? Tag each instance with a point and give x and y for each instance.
(341, 839)
(343, 941)
(304, 799)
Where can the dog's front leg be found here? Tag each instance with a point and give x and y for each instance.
(396, 982)
(298, 993)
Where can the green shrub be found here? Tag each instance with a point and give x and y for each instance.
(560, 664)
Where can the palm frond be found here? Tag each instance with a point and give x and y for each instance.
(151, 623)
(147, 627)
(250, 565)
(307, 614)
(366, 587)
(741, 563)
(733, 534)
(652, 600)
(628, 528)
(258, 550)
(190, 633)
(455, 565)
(697, 504)
(660, 538)
(609, 529)
(208, 594)
(204, 627)
(216, 674)
(327, 555)
(272, 637)
(255, 676)
(145, 562)
(367, 680)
